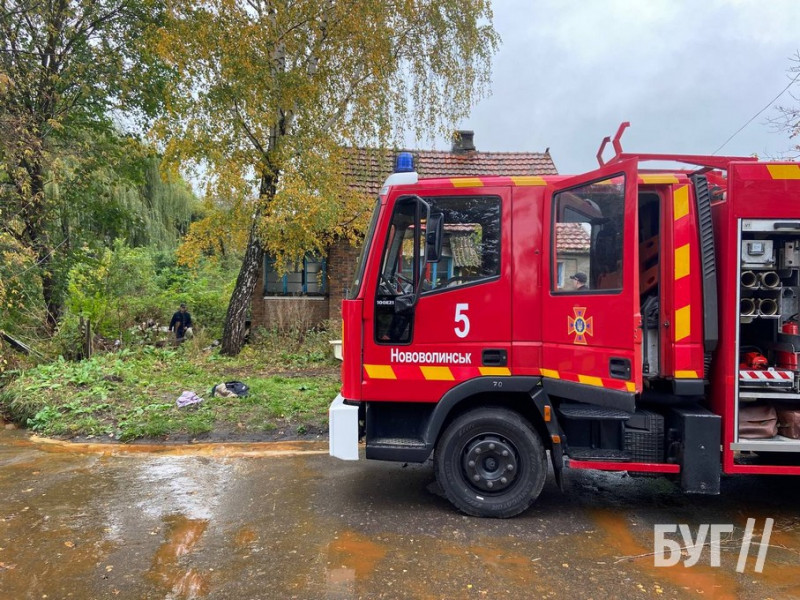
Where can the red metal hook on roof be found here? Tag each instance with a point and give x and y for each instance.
(616, 143)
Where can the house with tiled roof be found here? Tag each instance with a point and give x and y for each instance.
(313, 292)
(573, 242)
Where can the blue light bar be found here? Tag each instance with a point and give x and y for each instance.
(404, 163)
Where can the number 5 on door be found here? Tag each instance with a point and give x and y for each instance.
(462, 330)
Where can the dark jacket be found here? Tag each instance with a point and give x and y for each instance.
(180, 321)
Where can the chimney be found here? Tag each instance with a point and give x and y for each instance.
(463, 142)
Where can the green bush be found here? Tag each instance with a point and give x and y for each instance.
(122, 289)
(68, 339)
(106, 288)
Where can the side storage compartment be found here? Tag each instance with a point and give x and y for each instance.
(768, 341)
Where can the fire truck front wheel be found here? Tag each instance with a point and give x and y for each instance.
(491, 463)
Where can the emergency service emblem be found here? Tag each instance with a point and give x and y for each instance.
(580, 325)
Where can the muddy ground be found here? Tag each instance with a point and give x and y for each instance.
(284, 520)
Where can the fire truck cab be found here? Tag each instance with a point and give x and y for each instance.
(601, 319)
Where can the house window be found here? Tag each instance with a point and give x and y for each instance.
(303, 278)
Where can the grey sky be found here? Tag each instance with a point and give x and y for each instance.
(686, 74)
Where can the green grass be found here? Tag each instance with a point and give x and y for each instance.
(131, 394)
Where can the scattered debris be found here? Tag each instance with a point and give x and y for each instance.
(188, 398)
(229, 389)
(213, 345)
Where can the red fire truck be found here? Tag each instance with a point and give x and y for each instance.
(624, 319)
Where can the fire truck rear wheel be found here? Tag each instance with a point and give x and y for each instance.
(491, 463)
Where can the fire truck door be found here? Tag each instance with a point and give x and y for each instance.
(461, 326)
(591, 321)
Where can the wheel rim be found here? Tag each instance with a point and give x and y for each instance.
(490, 463)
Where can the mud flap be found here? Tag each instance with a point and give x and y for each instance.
(550, 420)
(343, 429)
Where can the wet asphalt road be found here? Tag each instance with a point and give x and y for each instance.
(287, 521)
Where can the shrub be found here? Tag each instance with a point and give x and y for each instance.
(121, 289)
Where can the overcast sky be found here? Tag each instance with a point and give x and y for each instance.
(686, 74)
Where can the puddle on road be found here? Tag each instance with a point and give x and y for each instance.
(496, 556)
(352, 551)
(183, 534)
(716, 582)
(245, 538)
(352, 559)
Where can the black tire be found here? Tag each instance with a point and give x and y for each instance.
(491, 463)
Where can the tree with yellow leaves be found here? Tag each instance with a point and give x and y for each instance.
(220, 234)
(271, 91)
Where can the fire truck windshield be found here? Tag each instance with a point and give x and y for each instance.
(359, 275)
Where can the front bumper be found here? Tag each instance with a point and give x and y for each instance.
(343, 429)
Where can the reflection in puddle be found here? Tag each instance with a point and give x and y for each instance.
(340, 583)
(351, 558)
(245, 538)
(220, 450)
(183, 486)
(350, 550)
(182, 536)
(701, 579)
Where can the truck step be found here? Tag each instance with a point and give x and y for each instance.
(395, 443)
(397, 449)
(577, 410)
(599, 455)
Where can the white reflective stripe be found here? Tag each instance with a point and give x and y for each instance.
(343, 430)
(770, 375)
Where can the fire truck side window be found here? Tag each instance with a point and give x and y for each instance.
(471, 244)
(587, 237)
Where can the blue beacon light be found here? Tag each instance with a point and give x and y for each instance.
(404, 163)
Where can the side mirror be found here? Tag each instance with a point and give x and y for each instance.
(433, 238)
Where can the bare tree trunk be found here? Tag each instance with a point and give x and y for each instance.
(236, 317)
(35, 217)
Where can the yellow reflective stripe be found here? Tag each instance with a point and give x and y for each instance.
(784, 171)
(682, 262)
(683, 322)
(466, 182)
(680, 202)
(497, 371)
(630, 386)
(550, 373)
(658, 178)
(686, 375)
(589, 380)
(437, 373)
(380, 372)
(529, 180)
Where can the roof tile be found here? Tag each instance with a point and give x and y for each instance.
(572, 237)
(368, 168)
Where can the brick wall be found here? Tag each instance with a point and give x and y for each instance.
(286, 312)
(283, 312)
(341, 270)
(279, 311)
